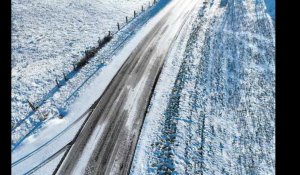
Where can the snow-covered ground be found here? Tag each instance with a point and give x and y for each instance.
(212, 112)
(47, 38)
(74, 98)
(213, 109)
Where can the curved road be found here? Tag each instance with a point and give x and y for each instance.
(107, 142)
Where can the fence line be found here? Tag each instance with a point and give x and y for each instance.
(89, 53)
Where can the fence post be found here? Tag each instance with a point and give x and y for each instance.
(31, 105)
(118, 26)
(74, 66)
(142, 8)
(134, 14)
(99, 41)
(126, 20)
(41, 116)
(65, 76)
(109, 33)
(57, 83)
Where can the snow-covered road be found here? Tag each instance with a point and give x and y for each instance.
(212, 110)
(107, 142)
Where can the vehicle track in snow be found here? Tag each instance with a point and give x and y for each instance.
(107, 142)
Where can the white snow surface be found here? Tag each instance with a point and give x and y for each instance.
(213, 109)
(86, 96)
(38, 148)
(53, 101)
(47, 38)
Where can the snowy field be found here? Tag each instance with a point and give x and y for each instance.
(212, 112)
(47, 38)
(34, 141)
(213, 109)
